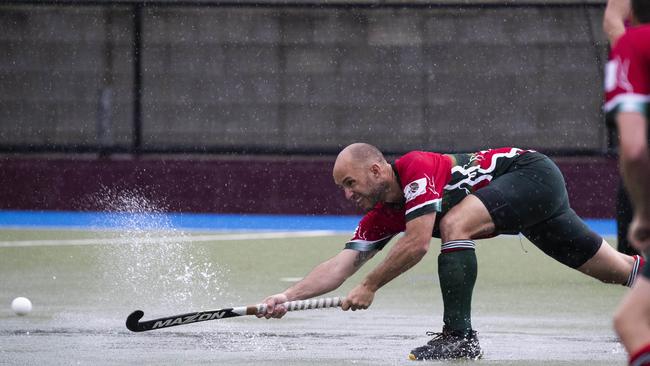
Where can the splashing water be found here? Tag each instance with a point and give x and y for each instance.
(157, 266)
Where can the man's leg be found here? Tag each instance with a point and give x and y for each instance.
(567, 239)
(610, 266)
(457, 273)
(530, 192)
(457, 261)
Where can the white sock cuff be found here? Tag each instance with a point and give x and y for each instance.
(635, 271)
(454, 245)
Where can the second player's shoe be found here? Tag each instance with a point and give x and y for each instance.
(449, 344)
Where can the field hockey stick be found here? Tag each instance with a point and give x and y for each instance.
(135, 325)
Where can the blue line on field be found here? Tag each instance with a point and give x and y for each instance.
(604, 227)
(184, 221)
(207, 222)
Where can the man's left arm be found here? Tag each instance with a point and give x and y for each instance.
(408, 251)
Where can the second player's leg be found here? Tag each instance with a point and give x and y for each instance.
(632, 318)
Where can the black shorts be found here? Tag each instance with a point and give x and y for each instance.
(531, 198)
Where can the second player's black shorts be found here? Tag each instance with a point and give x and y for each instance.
(531, 198)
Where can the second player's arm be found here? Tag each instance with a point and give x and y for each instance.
(635, 161)
(635, 165)
(614, 17)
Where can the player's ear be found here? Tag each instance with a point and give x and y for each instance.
(375, 169)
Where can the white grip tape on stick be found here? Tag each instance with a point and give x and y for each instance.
(327, 302)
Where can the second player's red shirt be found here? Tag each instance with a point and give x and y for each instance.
(627, 76)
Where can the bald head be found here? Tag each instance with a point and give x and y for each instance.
(361, 154)
(364, 175)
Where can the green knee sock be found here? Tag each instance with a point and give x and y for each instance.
(457, 274)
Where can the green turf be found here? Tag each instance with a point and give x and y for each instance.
(529, 309)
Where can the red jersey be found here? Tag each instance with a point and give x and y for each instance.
(431, 182)
(627, 75)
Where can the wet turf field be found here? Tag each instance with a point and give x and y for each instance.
(528, 309)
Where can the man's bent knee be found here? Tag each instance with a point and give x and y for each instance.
(452, 227)
(469, 219)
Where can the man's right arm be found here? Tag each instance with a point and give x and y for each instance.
(324, 278)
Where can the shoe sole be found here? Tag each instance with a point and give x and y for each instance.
(413, 358)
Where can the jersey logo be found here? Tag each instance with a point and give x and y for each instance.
(616, 75)
(415, 188)
(610, 75)
(431, 186)
(359, 234)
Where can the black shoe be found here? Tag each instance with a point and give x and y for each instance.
(450, 344)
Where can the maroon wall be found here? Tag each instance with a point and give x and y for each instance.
(230, 185)
(592, 183)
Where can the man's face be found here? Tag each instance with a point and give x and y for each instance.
(361, 185)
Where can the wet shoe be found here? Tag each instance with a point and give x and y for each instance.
(450, 344)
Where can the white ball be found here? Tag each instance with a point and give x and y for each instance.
(21, 306)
